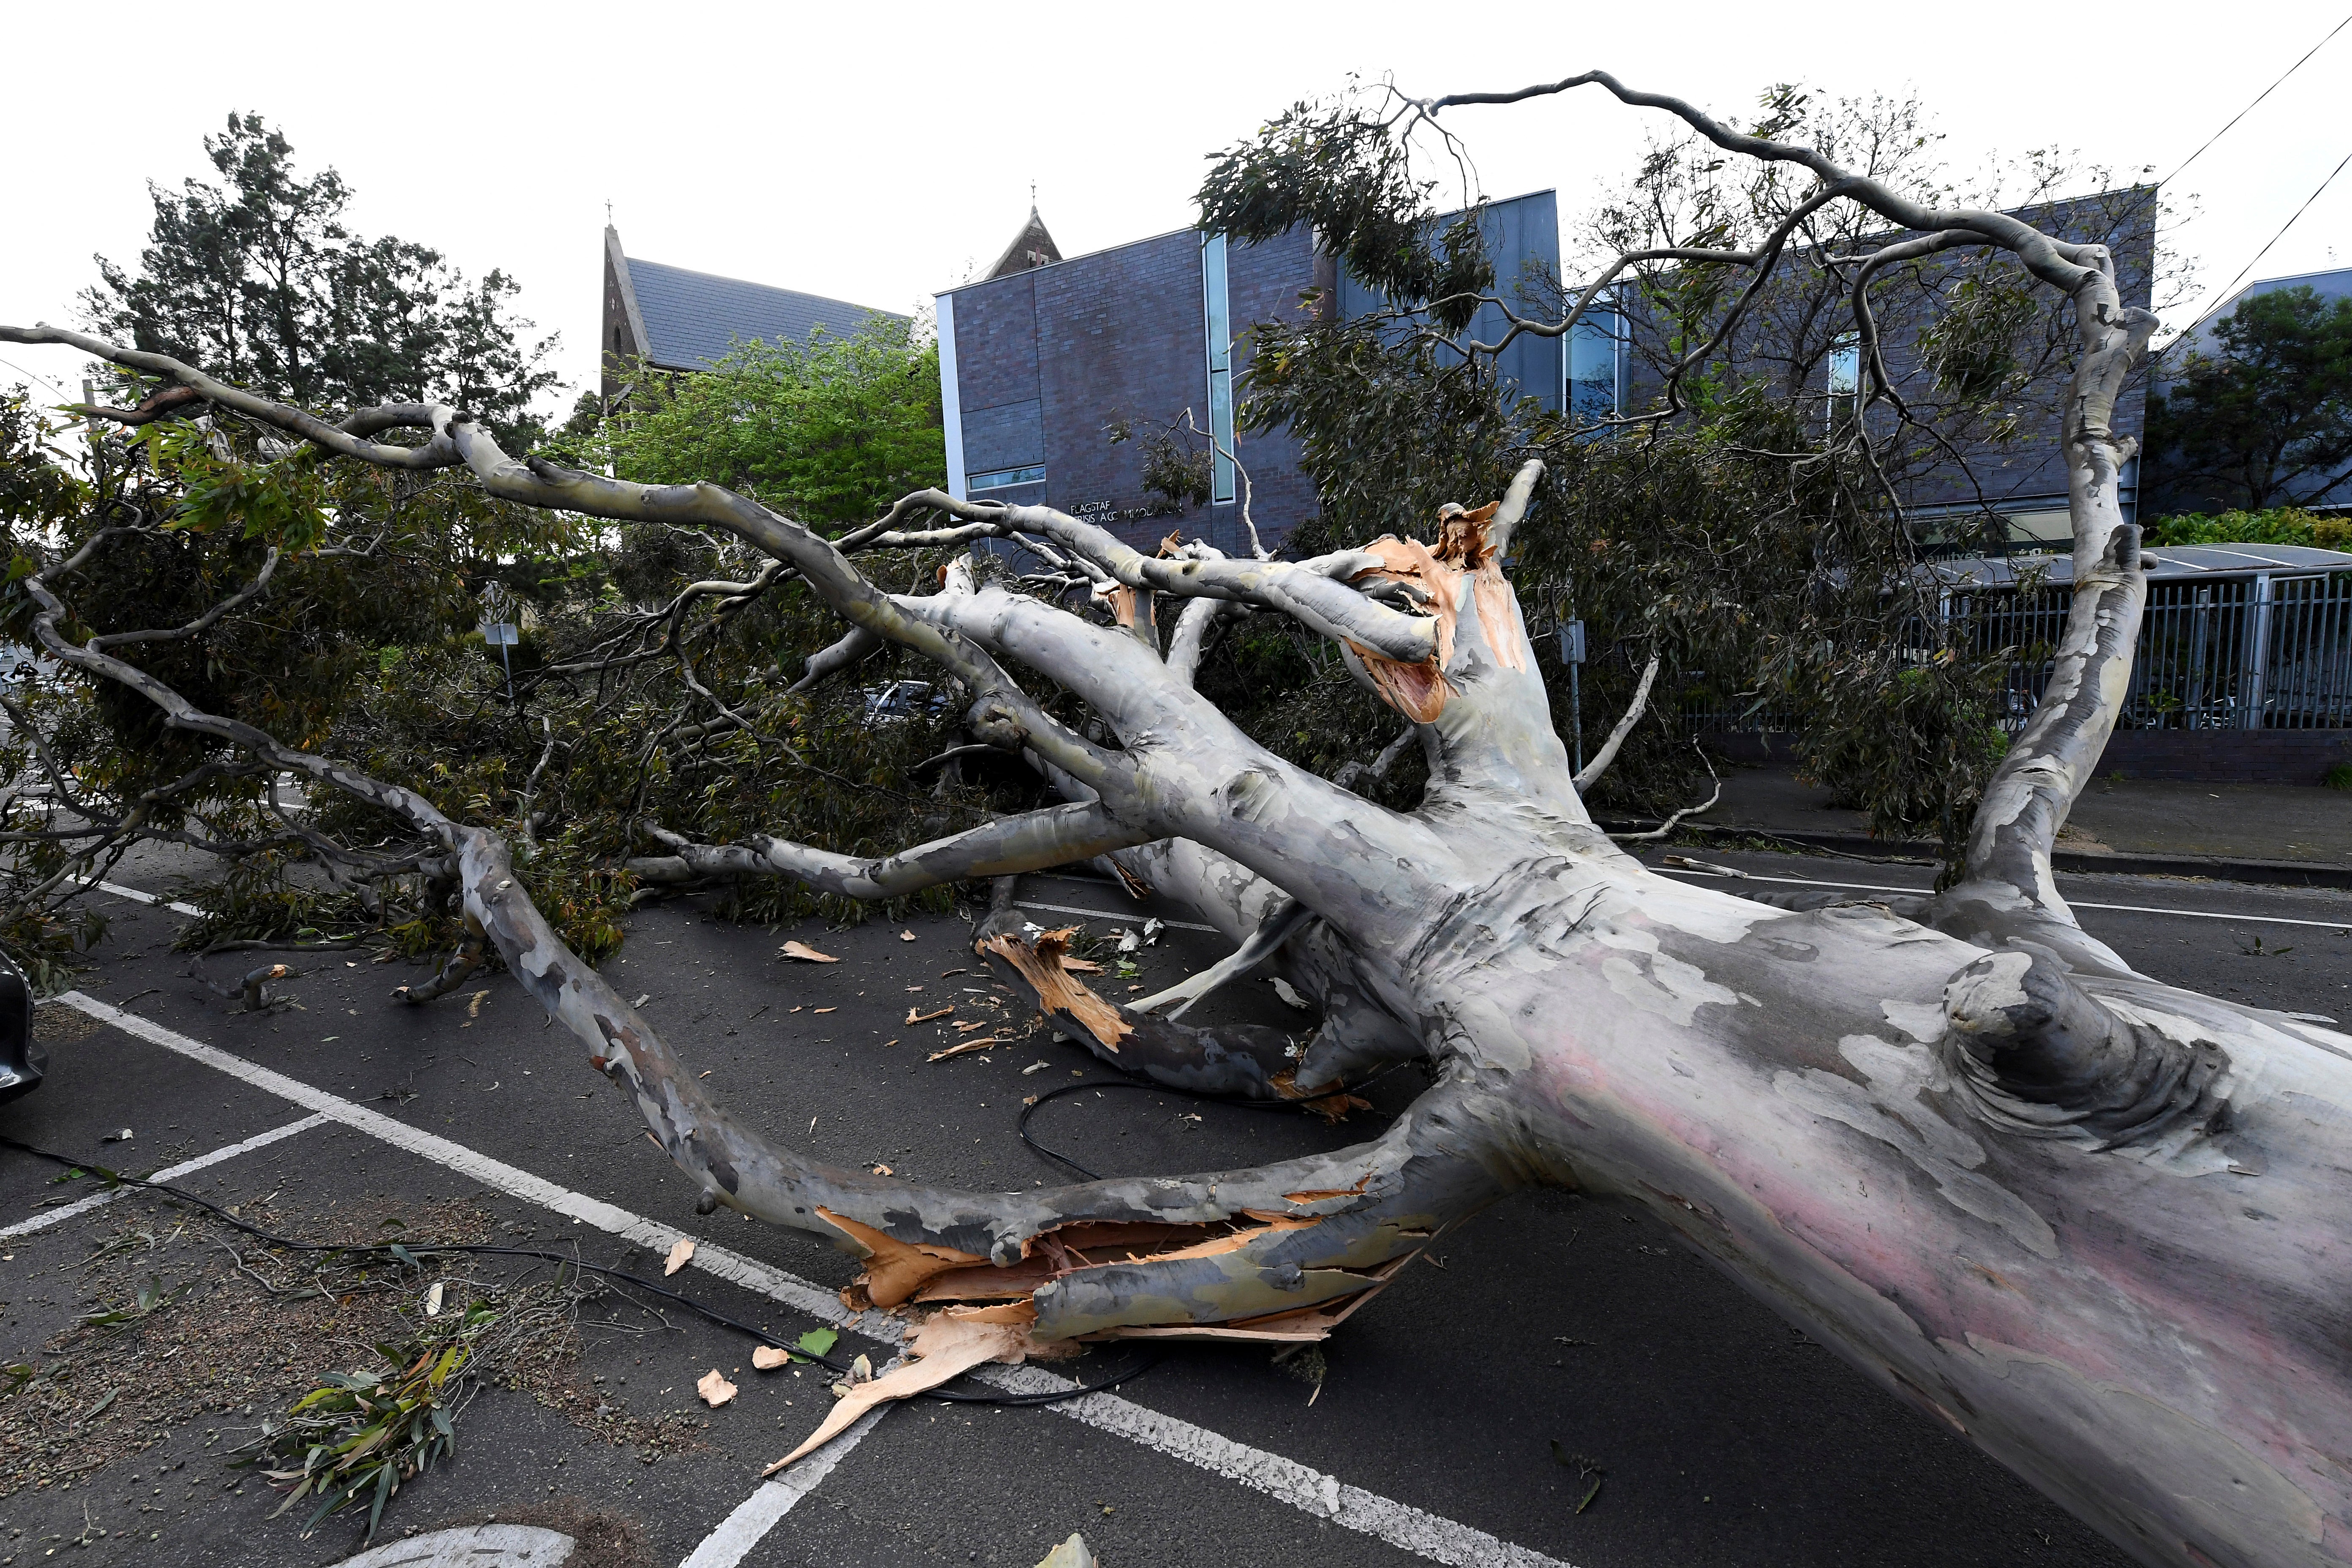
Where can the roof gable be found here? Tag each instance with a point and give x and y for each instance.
(693, 320)
(1032, 246)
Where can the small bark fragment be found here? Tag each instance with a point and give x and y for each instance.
(962, 1046)
(715, 1390)
(768, 1358)
(678, 1255)
(1071, 1553)
(915, 1018)
(946, 1347)
(806, 953)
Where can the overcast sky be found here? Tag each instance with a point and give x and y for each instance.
(873, 153)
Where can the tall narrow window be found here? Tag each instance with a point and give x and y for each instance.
(1219, 323)
(1844, 377)
(1596, 358)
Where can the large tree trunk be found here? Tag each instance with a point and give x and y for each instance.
(2093, 1222)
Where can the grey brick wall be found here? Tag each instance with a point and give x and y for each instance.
(1047, 359)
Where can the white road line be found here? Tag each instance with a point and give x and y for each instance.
(120, 891)
(1325, 1497)
(2344, 924)
(169, 1173)
(497, 1174)
(1425, 1534)
(1107, 915)
(757, 1514)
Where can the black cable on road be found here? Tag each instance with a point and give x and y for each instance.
(547, 1255)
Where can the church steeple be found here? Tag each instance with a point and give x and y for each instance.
(1032, 246)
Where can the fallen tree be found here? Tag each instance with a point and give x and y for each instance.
(2087, 1219)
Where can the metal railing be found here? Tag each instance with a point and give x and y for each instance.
(2269, 651)
(2264, 651)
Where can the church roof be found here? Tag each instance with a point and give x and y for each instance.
(692, 319)
(1032, 246)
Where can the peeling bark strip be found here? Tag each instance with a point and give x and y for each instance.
(2094, 1223)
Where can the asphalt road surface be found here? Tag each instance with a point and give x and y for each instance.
(1550, 1327)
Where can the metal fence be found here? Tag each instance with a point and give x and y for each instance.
(2263, 652)
(2270, 651)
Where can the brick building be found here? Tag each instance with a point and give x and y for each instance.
(1042, 357)
(675, 318)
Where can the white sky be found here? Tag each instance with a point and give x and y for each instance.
(873, 153)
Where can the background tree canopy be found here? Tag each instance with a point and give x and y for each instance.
(365, 640)
(2266, 420)
(1745, 534)
(258, 278)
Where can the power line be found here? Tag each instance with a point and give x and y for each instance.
(2265, 251)
(2258, 98)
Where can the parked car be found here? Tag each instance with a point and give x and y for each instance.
(22, 1061)
(903, 699)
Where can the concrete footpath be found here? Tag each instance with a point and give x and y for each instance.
(2291, 835)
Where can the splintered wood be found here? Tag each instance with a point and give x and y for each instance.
(806, 953)
(1419, 691)
(963, 1047)
(945, 1346)
(1042, 966)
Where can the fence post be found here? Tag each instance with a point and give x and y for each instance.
(2256, 655)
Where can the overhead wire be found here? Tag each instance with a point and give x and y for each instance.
(2224, 293)
(2258, 98)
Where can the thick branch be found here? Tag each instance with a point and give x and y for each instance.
(1609, 747)
(1032, 842)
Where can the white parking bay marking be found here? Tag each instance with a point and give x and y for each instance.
(1428, 1536)
(168, 1173)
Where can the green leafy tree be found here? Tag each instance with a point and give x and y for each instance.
(830, 431)
(257, 276)
(2265, 420)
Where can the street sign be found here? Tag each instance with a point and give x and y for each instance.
(500, 634)
(1571, 642)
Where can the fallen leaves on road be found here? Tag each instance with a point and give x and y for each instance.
(960, 1046)
(715, 1390)
(915, 1018)
(815, 1343)
(806, 953)
(678, 1255)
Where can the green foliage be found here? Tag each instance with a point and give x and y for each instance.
(1767, 573)
(1336, 167)
(1917, 747)
(829, 431)
(2338, 777)
(257, 278)
(355, 1439)
(2279, 525)
(2265, 420)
